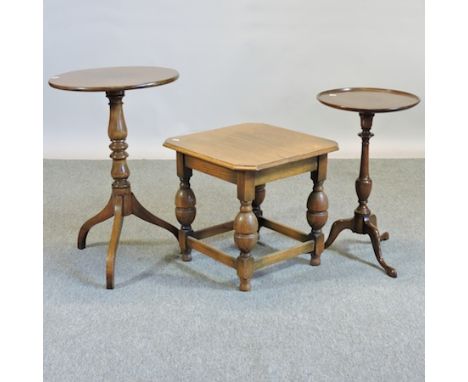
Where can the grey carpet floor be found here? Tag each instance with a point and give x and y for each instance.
(173, 321)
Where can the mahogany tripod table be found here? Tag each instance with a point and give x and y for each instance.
(250, 155)
(367, 102)
(114, 81)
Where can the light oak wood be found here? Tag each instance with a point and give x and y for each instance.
(113, 79)
(251, 146)
(211, 169)
(250, 155)
(286, 170)
(114, 82)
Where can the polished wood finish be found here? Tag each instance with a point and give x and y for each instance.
(372, 100)
(269, 143)
(245, 228)
(317, 210)
(367, 101)
(283, 229)
(122, 201)
(113, 79)
(285, 254)
(286, 170)
(250, 146)
(185, 210)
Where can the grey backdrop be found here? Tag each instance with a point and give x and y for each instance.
(238, 61)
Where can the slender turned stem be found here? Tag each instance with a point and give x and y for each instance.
(364, 182)
(117, 132)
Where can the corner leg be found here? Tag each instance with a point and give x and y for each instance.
(185, 202)
(373, 232)
(106, 213)
(245, 237)
(114, 241)
(317, 210)
(245, 229)
(337, 227)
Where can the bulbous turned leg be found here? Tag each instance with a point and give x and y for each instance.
(383, 236)
(106, 213)
(373, 232)
(337, 227)
(114, 241)
(185, 212)
(259, 198)
(245, 238)
(317, 215)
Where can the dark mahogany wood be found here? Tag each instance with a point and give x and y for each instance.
(122, 201)
(367, 101)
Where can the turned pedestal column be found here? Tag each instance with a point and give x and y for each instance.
(114, 82)
(366, 101)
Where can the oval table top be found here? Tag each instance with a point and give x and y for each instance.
(114, 78)
(372, 100)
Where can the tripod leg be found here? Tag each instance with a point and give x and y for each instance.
(383, 236)
(373, 232)
(114, 242)
(106, 213)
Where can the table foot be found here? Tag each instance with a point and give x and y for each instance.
(106, 213)
(375, 237)
(122, 203)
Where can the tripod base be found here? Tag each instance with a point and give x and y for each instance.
(122, 203)
(366, 225)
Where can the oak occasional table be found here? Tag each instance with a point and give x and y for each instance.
(367, 102)
(250, 155)
(114, 82)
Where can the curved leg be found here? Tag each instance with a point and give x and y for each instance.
(373, 232)
(337, 227)
(383, 236)
(114, 242)
(106, 213)
(139, 211)
(185, 210)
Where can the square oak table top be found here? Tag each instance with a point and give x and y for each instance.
(251, 146)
